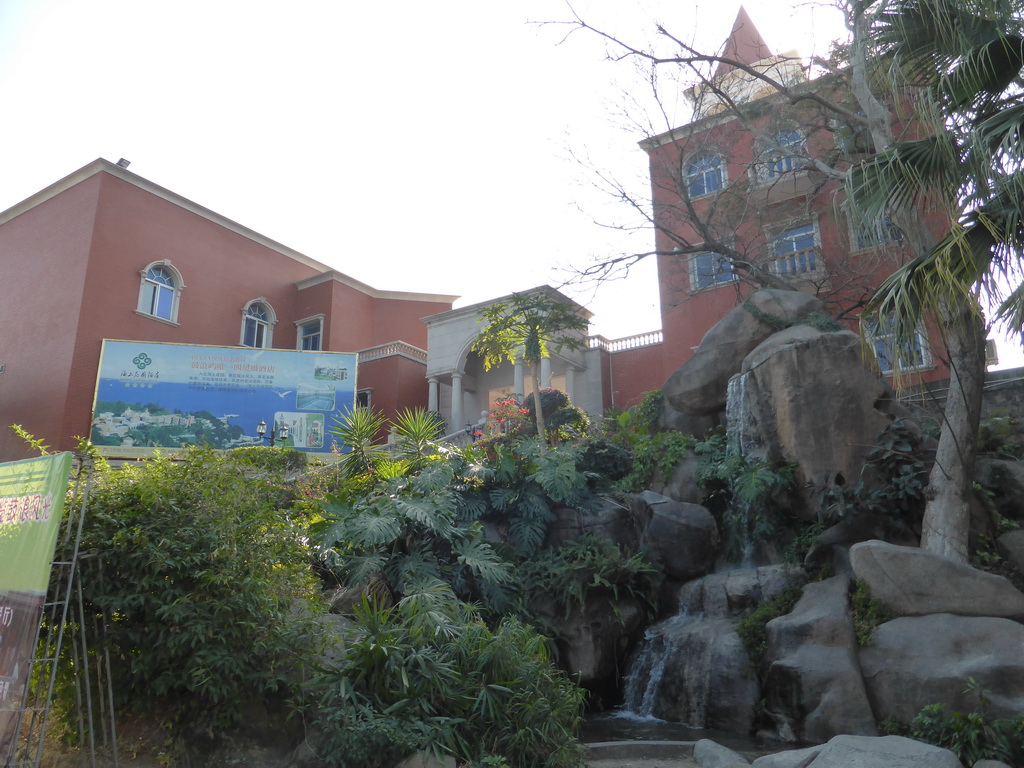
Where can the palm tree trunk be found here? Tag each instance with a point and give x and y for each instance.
(542, 430)
(947, 516)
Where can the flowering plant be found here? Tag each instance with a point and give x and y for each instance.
(507, 409)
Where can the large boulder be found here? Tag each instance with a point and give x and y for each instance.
(698, 386)
(813, 684)
(914, 582)
(1005, 481)
(681, 483)
(882, 752)
(1011, 546)
(807, 398)
(593, 639)
(711, 754)
(912, 662)
(681, 538)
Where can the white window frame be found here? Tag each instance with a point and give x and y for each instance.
(881, 340)
(267, 323)
(364, 398)
(150, 290)
(300, 336)
(724, 273)
(797, 261)
(693, 175)
(782, 157)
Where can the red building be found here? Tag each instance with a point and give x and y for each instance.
(105, 254)
(745, 190)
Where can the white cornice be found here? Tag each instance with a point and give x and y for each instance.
(105, 166)
(474, 309)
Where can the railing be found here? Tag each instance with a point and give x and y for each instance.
(463, 437)
(393, 348)
(629, 342)
(795, 263)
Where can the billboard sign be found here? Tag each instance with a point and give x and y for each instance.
(162, 396)
(31, 505)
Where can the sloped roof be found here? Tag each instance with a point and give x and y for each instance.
(744, 44)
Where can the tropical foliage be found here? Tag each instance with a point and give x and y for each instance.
(430, 674)
(203, 581)
(590, 565)
(958, 62)
(529, 326)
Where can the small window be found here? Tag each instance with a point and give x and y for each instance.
(708, 269)
(794, 251)
(913, 355)
(704, 175)
(364, 398)
(783, 156)
(881, 232)
(258, 325)
(159, 291)
(310, 334)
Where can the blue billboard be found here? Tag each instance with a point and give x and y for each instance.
(159, 396)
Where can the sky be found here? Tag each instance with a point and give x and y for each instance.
(449, 148)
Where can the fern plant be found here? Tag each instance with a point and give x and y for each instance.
(741, 495)
(589, 565)
(408, 530)
(525, 482)
(429, 674)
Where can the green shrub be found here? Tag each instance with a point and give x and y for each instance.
(605, 462)
(744, 498)
(410, 529)
(429, 674)
(752, 628)
(561, 418)
(868, 612)
(204, 581)
(588, 565)
(654, 453)
(891, 485)
(971, 736)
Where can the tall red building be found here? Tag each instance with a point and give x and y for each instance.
(747, 187)
(106, 254)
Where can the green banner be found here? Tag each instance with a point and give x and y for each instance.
(31, 505)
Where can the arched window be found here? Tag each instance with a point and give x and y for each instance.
(258, 321)
(704, 175)
(159, 291)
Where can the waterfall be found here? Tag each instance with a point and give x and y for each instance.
(740, 424)
(743, 440)
(647, 668)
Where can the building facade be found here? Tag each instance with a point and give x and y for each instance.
(744, 195)
(106, 254)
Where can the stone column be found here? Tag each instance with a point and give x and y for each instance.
(457, 421)
(519, 378)
(432, 398)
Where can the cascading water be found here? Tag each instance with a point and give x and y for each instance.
(691, 668)
(740, 424)
(647, 669)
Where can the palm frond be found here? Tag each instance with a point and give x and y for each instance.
(909, 175)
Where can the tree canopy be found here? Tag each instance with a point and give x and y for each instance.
(529, 326)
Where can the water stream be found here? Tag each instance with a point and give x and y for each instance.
(690, 669)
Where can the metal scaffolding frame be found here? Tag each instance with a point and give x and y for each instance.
(64, 616)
